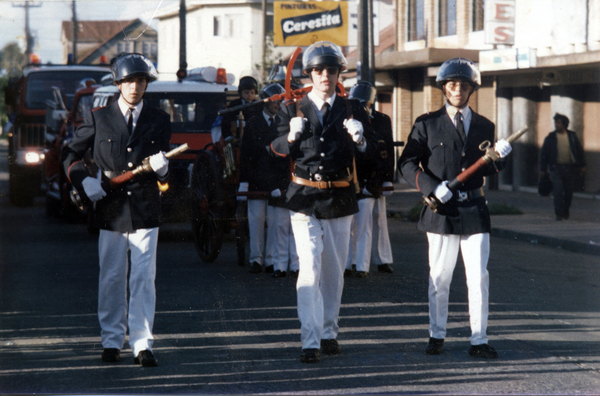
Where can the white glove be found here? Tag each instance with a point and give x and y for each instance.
(243, 188)
(355, 129)
(93, 189)
(159, 164)
(296, 128)
(442, 192)
(276, 193)
(387, 193)
(502, 148)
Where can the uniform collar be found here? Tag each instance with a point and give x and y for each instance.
(124, 107)
(320, 102)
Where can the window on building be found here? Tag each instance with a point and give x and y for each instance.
(217, 26)
(447, 15)
(125, 46)
(478, 7)
(234, 25)
(416, 20)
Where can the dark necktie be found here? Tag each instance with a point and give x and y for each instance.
(325, 114)
(270, 121)
(460, 127)
(130, 121)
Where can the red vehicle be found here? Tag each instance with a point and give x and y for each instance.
(28, 95)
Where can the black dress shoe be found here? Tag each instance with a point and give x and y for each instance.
(330, 347)
(269, 269)
(484, 351)
(385, 269)
(434, 347)
(146, 359)
(294, 273)
(310, 356)
(278, 274)
(111, 355)
(255, 268)
(348, 273)
(361, 274)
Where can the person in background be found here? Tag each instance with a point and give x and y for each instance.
(440, 146)
(562, 156)
(121, 135)
(247, 89)
(370, 237)
(322, 139)
(257, 174)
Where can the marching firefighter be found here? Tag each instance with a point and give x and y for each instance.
(247, 89)
(441, 145)
(120, 136)
(322, 139)
(370, 239)
(260, 173)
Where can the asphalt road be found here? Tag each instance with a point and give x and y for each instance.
(221, 330)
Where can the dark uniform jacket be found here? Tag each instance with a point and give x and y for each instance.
(229, 118)
(436, 152)
(135, 204)
(550, 151)
(383, 126)
(258, 168)
(327, 152)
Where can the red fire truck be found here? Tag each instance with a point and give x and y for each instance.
(28, 96)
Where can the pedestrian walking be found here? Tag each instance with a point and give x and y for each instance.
(440, 146)
(322, 141)
(562, 157)
(120, 136)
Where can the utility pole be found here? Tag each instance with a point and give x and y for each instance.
(75, 30)
(264, 41)
(182, 72)
(29, 40)
(366, 50)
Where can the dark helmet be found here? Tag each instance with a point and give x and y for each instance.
(132, 65)
(323, 53)
(247, 82)
(364, 92)
(458, 68)
(270, 90)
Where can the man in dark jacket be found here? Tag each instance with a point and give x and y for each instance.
(322, 142)
(440, 146)
(120, 136)
(562, 155)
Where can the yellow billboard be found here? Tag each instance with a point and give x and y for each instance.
(302, 23)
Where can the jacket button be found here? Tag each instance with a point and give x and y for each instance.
(128, 192)
(321, 167)
(463, 169)
(463, 154)
(322, 139)
(129, 149)
(322, 154)
(130, 164)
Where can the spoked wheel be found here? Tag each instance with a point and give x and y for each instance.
(208, 206)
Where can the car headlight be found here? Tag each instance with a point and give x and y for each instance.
(32, 158)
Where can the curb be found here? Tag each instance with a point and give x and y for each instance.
(558, 243)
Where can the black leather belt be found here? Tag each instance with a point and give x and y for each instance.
(463, 196)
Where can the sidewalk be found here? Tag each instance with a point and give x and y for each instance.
(537, 224)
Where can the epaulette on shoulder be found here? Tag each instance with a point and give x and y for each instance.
(163, 112)
(98, 108)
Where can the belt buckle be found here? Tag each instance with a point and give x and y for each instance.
(462, 196)
(318, 177)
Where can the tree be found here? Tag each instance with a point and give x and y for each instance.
(269, 59)
(12, 59)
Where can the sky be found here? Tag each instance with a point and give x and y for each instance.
(45, 21)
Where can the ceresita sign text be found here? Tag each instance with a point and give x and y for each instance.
(301, 24)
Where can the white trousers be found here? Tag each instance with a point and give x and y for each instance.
(361, 238)
(322, 247)
(443, 253)
(116, 315)
(257, 215)
(280, 240)
(381, 251)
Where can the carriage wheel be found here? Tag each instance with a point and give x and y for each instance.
(207, 206)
